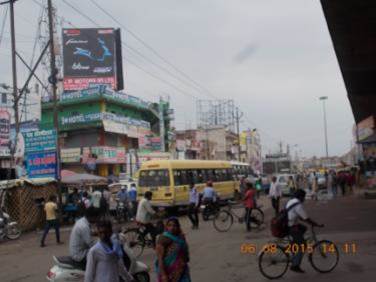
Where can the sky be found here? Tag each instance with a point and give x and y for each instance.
(274, 58)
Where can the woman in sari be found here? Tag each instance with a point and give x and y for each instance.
(172, 254)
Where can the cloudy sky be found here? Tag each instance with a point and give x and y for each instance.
(274, 58)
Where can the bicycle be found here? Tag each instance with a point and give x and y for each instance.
(224, 218)
(276, 256)
(137, 238)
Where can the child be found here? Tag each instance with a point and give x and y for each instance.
(105, 258)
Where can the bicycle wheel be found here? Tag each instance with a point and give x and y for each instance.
(258, 217)
(223, 221)
(324, 257)
(273, 263)
(135, 240)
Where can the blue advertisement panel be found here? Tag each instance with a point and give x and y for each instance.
(41, 165)
(44, 140)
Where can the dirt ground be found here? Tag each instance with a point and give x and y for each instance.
(217, 256)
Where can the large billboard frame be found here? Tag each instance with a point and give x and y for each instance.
(92, 56)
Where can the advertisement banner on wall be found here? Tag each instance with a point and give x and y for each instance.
(41, 165)
(104, 155)
(72, 155)
(4, 132)
(91, 57)
(43, 140)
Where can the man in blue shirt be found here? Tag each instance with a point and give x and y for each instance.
(122, 195)
(132, 197)
(209, 194)
(194, 204)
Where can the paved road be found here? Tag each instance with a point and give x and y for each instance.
(217, 257)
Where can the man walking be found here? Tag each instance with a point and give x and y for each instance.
(275, 194)
(193, 206)
(51, 220)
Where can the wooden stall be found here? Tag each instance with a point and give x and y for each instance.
(23, 200)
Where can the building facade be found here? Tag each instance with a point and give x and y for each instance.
(103, 131)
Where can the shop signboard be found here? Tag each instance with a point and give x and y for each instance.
(366, 128)
(72, 155)
(81, 93)
(43, 140)
(92, 56)
(106, 155)
(156, 143)
(115, 127)
(41, 164)
(4, 133)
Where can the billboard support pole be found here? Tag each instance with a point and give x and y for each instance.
(53, 82)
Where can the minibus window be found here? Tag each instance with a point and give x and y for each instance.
(150, 178)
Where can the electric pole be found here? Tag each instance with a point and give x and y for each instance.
(238, 117)
(53, 80)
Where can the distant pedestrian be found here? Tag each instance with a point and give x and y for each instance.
(51, 220)
(342, 182)
(105, 258)
(132, 198)
(335, 184)
(249, 204)
(314, 186)
(291, 185)
(275, 194)
(258, 185)
(172, 254)
(194, 204)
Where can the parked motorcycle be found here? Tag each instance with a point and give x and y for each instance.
(66, 269)
(8, 229)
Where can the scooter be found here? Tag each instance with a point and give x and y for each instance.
(65, 269)
(8, 229)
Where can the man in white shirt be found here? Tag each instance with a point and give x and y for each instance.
(296, 213)
(145, 213)
(275, 193)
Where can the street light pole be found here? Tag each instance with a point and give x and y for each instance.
(323, 98)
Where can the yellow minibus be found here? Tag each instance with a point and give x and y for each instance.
(169, 180)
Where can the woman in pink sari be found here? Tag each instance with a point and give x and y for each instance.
(172, 254)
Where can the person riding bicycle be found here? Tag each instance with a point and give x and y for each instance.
(144, 215)
(122, 197)
(296, 212)
(209, 196)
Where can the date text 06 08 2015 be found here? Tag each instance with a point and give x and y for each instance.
(291, 248)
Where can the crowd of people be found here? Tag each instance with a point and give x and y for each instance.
(103, 258)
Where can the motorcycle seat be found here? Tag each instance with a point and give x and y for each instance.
(68, 262)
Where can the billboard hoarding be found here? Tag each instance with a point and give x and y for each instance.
(43, 140)
(91, 57)
(41, 164)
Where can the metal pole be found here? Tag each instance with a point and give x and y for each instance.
(14, 67)
(53, 82)
(162, 125)
(325, 125)
(238, 131)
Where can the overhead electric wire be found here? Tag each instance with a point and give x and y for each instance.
(133, 49)
(197, 85)
(152, 49)
(131, 62)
